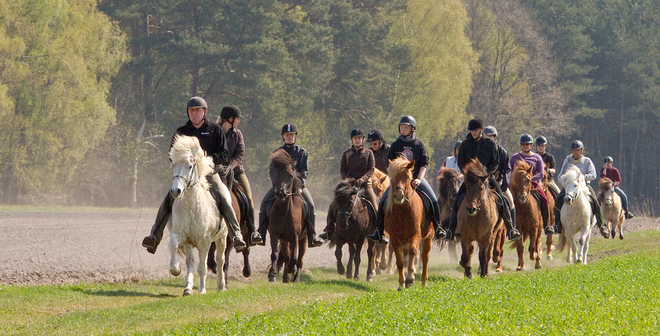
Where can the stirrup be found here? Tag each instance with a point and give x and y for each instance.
(256, 239)
(315, 242)
(549, 230)
(629, 215)
(449, 236)
(514, 235)
(374, 236)
(440, 233)
(239, 244)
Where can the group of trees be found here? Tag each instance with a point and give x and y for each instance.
(91, 92)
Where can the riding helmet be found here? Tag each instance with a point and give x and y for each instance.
(577, 144)
(196, 102)
(289, 128)
(526, 139)
(490, 130)
(230, 111)
(357, 132)
(374, 135)
(458, 144)
(541, 141)
(408, 120)
(608, 159)
(475, 124)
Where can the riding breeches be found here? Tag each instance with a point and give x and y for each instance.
(242, 180)
(624, 198)
(544, 203)
(224, 204)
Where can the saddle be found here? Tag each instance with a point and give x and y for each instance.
(305, 210)
(428, 205)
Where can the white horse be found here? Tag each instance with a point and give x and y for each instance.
(196, 221)
(576, 216)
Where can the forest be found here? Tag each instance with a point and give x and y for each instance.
(92, 91)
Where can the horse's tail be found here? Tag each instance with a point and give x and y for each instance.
(562, 243)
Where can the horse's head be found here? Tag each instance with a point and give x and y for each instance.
(449, 182)
(380, 181)
(521, 181)
(574, 184)
(476, 180)
(347, 195)
(606, 191)
(189, 163)
(400, 173)
(288, 182)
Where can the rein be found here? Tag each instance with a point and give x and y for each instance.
(192, 178)
(350, 213)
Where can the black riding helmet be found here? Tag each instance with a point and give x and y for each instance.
(230, 111)
(475, 124)
(408, 120)
(375, 135)
(357, 132)
(458, 144)
(196, 102)
(541, 141)
(608, 159)
(526, 139)
(490, 130)
(577, 144)
(289, 128)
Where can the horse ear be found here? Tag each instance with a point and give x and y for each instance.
(411, 165)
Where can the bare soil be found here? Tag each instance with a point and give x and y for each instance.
(72, 247)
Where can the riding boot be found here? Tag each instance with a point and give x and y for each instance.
(151, 241)
(255, 237)
(378, 235)
(450, 233)
(595, 207)
(559, 202)
(263, 226)
(312, 239)
(546, 219)
(509, 216)
(439, 231)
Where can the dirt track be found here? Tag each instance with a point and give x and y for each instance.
(71, 247)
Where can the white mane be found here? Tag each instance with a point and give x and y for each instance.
(573, 173)
(185, 147)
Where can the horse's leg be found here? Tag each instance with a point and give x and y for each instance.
(190, 267)
(371, 257)
(203, 250)
(584, 245)
(539, 246)
(484, 258)
(620, 226)
(398, 254)
(382, 253)
(302, 248)
(293, 256)
(358, 259)
(520, 248)
(225, 264)
(338, 255)
(390, 261)
(175, 269)
(498, 250)
(210, 259)
(246, 263)
(466, 257)
(351, 258)
(222, 256)
(425, 251)
(283, 259)
(274, 270)
(549, 246)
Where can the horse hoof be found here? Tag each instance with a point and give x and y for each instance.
(537, 266)
(520, 268)
(498, 270)
(621, 237)
(247, 272)
(175, 271)
(271, 278)
(356, 278)
(549, 258)
(187, 292)
(378, 271)
(340, 269)
(369, 279)
(400, 288)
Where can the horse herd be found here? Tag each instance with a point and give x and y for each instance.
(195, 219)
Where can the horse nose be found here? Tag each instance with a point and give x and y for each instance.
(567, 200)
(176, 192)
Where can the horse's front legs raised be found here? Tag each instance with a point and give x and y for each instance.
(338, 255)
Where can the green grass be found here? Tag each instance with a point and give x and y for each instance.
(618, 293)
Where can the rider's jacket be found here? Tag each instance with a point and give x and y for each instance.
(503, 167)
(299, 155)
(549, 161)
(413, 149)
(612, 174)
(236, 147)
(584, 164)
(357, 163)
(533, 160)
(380, 157)
(211, 137)
(482, 148)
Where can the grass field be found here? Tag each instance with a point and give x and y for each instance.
(617, 294)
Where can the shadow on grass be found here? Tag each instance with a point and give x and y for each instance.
(122, 292)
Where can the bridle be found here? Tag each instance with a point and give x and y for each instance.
(348, 214)
(192, 178)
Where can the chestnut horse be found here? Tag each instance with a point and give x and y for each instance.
(350, 214)
(380, 182)
(406, 223)
(528, 214)
(286, 220)
(546, 184)
(449, 182)
(478, 218)
(610, 202)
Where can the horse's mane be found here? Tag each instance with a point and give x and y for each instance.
(396, 167)
(186, 146)
(519, 171)
(446, 176)
(379, 181)
(285, 167)
(345, 189)
(605, 183)
(475, 170)
(572, 173)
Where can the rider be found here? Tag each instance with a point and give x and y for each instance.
(452, 161)
(299, 155)
(414, 149)
(587, 168)
(213, 142)
(536, 161)
(613, 174)
(380, 149)
(357, 162)
(548, 161)
(230, 118)
(476, 145)
(503, 169)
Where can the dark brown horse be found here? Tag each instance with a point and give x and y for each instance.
(350, 215)
(449, 181)
(546, 184)
(286, 220)
(478, 219)
(528, 214)
(406, 222)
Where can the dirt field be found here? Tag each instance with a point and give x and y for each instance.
(71, 247)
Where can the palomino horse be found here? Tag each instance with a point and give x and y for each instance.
(546, 184)
(576, 216)
(528, 214)
(610, 202)
(380, 182)
(196, 221)
(406, 223)
(286, 220)
(449, 182)
(478, 218)
(350, 214)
